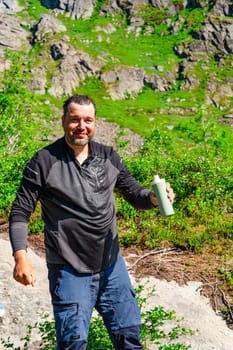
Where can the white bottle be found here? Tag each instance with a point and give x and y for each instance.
(159, 187)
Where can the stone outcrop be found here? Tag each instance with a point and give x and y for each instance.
(74, 68)
(38, 82)
(124, 82)
(157, 83)
(217, 35)
(214, 39)
(223, 8)
(12, 35)
(76, 9)
(46, 28)
(9, 6)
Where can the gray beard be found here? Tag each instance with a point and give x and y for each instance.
(75, 142)
(80, 142)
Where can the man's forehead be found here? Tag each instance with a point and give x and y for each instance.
(75, 108)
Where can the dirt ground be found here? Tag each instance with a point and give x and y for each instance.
(171, 265)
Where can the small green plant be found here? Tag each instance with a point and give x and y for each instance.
(47, 332)
(154, 322)
(228, 275)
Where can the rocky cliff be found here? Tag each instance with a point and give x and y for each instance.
(61, 65)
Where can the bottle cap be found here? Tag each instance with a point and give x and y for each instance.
(156, 178)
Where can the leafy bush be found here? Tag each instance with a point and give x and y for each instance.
(22, 119)
(199, 170)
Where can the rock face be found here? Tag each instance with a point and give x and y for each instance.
(46, 28)
(218, 35)
(74, 68)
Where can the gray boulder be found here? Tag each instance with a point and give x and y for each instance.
(194, 50)
(157, 82)
(108, 28)
(38, 82)
(218, 33)
(76, 8)
(9, 6)
(191, 79)
(169, 5)
(12, 35)
(75, 67)
(218, 93)
(47, 27)
(223, 8)
(217, 7)
(110, 8)
(123, 82)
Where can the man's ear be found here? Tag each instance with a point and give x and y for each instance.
(62, 121)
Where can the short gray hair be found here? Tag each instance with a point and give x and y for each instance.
(80, 100)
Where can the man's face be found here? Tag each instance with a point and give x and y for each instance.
(79, 124)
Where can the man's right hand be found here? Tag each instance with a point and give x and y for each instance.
(23, 272)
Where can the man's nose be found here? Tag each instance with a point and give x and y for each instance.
(81, 124)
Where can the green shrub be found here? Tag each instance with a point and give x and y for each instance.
(22, 119)
(200, 172)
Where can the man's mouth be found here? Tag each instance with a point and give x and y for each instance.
(79, 134)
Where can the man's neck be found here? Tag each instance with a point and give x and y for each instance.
(81, 153)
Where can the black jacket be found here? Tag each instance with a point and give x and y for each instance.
(78, 205)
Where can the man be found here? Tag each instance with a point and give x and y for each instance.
(74, 179)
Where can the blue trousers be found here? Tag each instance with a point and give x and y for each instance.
(74, 296)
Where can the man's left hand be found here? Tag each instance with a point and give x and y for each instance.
(170, 195)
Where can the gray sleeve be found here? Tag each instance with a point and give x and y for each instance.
(18, 235)
(24, 204)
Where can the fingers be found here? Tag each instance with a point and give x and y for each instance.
(19, 278)
(153, 199)
(170, 193)
(25, 279)
(33, 280)
(23, 274)
(29, 280)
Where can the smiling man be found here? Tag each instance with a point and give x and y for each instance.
(74, 178)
